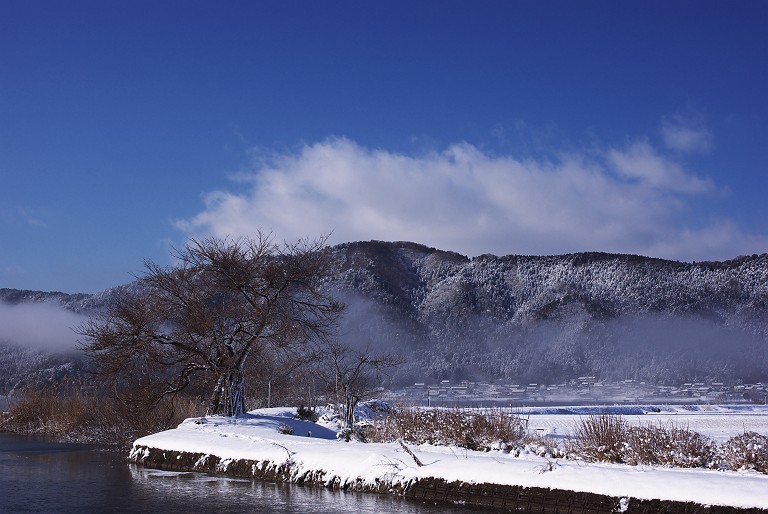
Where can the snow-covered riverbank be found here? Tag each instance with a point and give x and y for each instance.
(313, 450)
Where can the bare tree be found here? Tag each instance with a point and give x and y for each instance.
(351, 374)
(207, 315)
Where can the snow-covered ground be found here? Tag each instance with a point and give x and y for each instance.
(718, 422)
(257, 436)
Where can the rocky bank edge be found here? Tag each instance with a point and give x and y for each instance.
(432, 490)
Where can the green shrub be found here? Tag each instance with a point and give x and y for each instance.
(306, 414)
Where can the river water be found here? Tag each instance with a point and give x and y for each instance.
(38, 475)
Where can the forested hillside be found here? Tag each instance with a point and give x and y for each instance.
(525, 318)
(549, 319)
(37, 338)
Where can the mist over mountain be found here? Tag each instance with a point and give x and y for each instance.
(38, 339)
(522, 318)
(551, 319)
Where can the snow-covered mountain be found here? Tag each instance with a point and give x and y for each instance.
(548, 319)
(38, 343)
(541, 319)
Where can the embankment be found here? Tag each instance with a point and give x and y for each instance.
(432, 490)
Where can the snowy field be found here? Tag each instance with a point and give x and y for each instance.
(719, 422)
(256, 436)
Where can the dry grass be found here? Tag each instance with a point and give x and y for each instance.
(75, 416)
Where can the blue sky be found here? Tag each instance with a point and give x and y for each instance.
(479, 127)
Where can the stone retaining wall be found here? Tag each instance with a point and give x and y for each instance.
(430, 490)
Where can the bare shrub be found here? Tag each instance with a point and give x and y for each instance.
(600, 437)
(667, 446)
(543, 446)
(643, 445)
(689, 449)
(495, 426)
(453, 427)
(746, 451)
(433, 426)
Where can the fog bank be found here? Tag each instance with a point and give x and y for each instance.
(39, 325)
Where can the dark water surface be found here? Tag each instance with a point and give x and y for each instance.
(37, 475)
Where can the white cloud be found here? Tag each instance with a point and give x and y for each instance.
(41, 325)
(640, 161)
(11, 215)
(13, 269)
(685, 135)
(631, 200)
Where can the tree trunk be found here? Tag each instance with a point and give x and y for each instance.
(228, 397)
(350, 402)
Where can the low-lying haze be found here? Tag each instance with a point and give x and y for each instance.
(39, 325)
